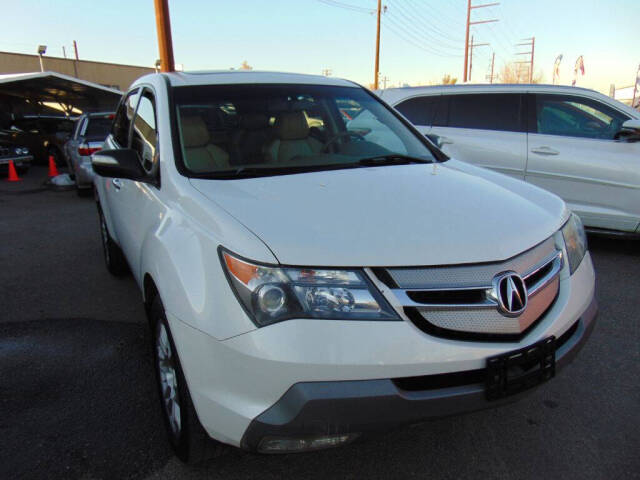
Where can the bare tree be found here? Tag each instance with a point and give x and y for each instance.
(518, 73)
(449, 80)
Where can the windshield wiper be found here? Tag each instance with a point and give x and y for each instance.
(249, 172)
(393, 159)
(267, 171)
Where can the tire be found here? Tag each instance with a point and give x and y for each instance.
(113, 256)
(187, 437)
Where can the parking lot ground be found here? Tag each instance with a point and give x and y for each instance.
(78, 400)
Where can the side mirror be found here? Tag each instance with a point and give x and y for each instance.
(633, 124)
(630, 131)
(121, 163)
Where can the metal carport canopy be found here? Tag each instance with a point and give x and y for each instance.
(27, 93)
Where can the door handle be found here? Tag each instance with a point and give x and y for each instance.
(117, 183)
(544, 151)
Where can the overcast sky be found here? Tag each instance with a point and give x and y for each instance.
(422, 40)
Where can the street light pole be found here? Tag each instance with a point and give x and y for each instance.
(165, 45)
(42, 49)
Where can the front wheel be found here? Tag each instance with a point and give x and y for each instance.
(186, 434)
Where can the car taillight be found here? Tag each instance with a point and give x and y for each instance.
(84, 150)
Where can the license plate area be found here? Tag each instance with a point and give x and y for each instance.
(513, 372)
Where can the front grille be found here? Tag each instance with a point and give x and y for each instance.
(460, 301)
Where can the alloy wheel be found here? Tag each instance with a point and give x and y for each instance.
(168, 379)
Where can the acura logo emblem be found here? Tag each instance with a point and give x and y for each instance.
(510, 293)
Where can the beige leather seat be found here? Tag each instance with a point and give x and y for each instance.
(201, 155)
(250, 139)
(292, 138)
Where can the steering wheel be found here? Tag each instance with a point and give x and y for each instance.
(338, 136)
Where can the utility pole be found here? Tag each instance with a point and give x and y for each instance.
(377, 65)
(531, 42)
(384, 79)
(472, 46)
(635, 89)
(326, 72)
(165, 45)
(466, 36)
(493, 61)
(75, 62)
(64, 52)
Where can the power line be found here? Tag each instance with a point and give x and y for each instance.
(347, 6)
(430, 25)
(396, 31)
(422, 34)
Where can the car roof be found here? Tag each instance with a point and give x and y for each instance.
(237, 77)
(403, 92)
(395, 95)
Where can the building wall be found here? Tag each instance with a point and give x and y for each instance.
(107, 74)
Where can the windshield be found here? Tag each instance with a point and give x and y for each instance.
(240, 130)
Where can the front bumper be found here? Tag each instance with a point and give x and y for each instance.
(20, 161)
(281, 378)
(353, 407)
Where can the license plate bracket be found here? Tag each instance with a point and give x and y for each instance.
(513, 372)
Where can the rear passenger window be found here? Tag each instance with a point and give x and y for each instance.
(144, 139)
(419, 110)
(123, 117)
(486, 112)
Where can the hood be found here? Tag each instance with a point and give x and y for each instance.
(405, 215)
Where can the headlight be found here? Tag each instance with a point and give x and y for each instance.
(273, 294)
(575, 241)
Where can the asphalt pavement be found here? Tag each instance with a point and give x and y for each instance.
(78, 398)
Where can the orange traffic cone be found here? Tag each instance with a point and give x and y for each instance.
(53, 171)
(13, 175)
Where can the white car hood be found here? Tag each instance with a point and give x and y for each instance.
(406, 215)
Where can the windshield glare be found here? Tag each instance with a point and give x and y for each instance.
(226, 130)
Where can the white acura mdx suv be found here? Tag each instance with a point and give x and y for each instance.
(306, 284)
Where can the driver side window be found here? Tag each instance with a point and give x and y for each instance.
(573, 116)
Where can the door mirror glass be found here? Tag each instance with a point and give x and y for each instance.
(120, 163)
(630, 131)
(633, 124)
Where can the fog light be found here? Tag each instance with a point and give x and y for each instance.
(289, 445)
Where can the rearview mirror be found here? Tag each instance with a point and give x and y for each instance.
(121, 163)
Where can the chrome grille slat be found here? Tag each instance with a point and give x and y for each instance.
(541, 264)
(470, 276)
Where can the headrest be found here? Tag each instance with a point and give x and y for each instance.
(254, 121)
(292, 126)
(194, 132)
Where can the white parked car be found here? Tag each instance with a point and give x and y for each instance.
(574, 142)
(306, 285)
